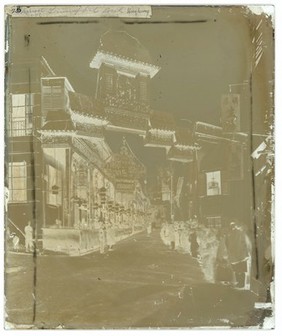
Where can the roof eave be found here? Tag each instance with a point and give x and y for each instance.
(122, 63)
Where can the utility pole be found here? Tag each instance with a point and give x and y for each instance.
(171, 195)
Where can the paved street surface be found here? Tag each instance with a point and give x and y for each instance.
(139, 284)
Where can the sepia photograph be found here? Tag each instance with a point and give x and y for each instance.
(139, 167)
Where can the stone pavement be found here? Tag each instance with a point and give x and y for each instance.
(140, 284)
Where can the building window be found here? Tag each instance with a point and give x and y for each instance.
(21, 114)
(109, 82)
(143, 90)
(53, 97)
(17, 182)
(126, 91)
(213, 183)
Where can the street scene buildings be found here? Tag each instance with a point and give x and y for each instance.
(100, 175)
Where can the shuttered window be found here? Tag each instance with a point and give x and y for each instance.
(20, 121)
(53, 98)
(143, 90)
(109, 82)
(17, 182)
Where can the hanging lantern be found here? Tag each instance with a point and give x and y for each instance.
(116, 207)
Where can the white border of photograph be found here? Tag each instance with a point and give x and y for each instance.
(254, 5)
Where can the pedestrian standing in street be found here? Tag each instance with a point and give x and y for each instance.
(239, 249)
(6, 198)
(194, 243)
(207, 249)
(171, 236)
(211, 257)
(149, 228)
(186, 239)
(181, 235)
(224, 273)
(28, 237)
(110, 236)
(16, 242)
(164, 233)
(176, 235)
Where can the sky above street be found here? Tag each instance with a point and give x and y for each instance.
(201, 50)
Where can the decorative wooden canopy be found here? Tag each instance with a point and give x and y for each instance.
(125, 168)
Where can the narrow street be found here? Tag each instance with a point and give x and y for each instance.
(139, 284)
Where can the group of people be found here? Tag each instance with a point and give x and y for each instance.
(235, 255)
(223, 253)
(180, 236)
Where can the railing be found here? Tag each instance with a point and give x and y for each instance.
(126, 104)
(126, 119)
(20, 128)
(17, 228)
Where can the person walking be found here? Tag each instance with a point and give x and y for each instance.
(164, 233)
(239, 249)
(194, 243)
(171, 236)
(149, 228)
(224, 273)
(28, 237)
(176, 235)
(186, 239)
(16, 242)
